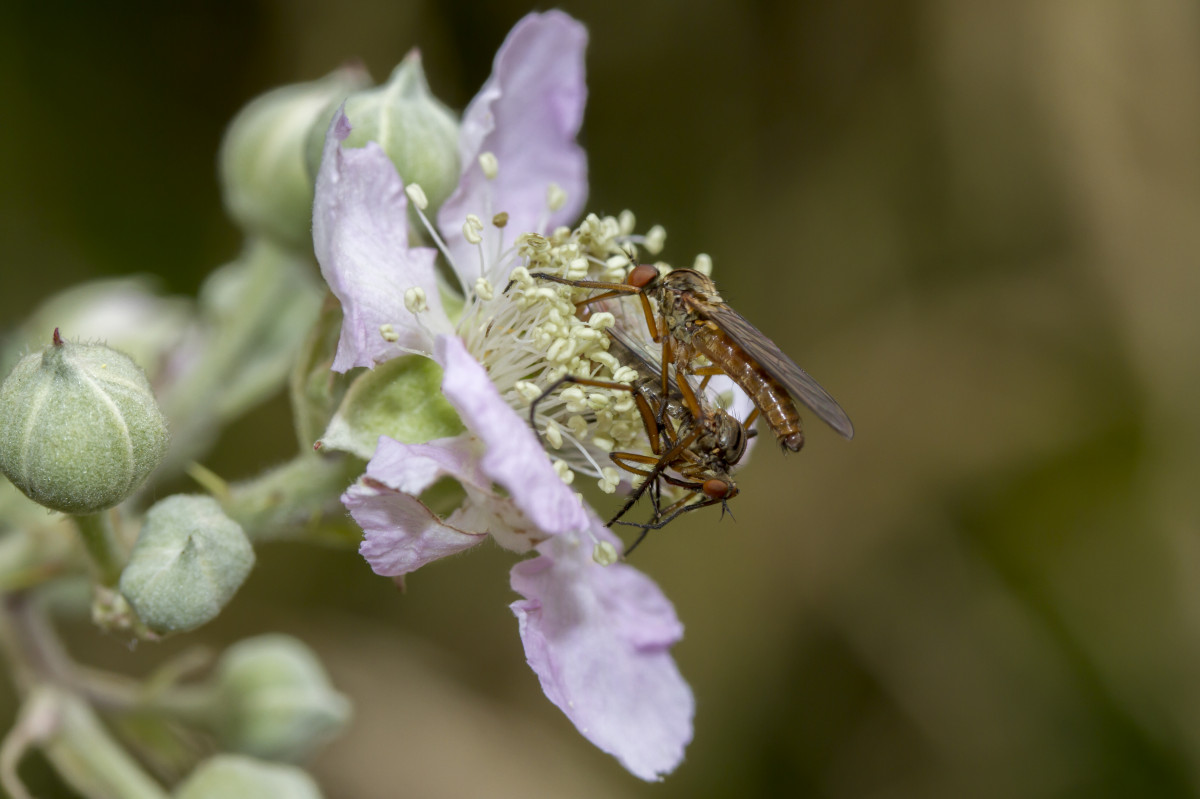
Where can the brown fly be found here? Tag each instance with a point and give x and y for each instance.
(694, 445)
(692, 321)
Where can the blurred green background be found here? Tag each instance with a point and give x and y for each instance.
(975, 223)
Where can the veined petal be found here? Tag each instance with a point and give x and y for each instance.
(527, 114)
(360, 235)
(598, 639)
(514, 457)
(400, 534)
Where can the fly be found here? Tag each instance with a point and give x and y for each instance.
(693, 321)
(694, 445)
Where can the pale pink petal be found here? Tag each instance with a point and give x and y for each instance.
(400, 534)
(360, 236)
(528, 115)
(599, 640)
(412, 468)
(514, 457)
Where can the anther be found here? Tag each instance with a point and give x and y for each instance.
(627, 222)
(556, 198)
(472, 229)
(528, 391)
(417, 195)
(500, 219)
(703, 264)
(388, 332)
(483, 289)
(415, 301)
(564, 471)
(656, 237)
(604, 553)
(602, 320)
(490, 165)
(617, 262)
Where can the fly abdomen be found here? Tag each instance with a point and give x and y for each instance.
(771, 398)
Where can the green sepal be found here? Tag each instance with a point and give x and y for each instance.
(401, 399)
(315, 389)
(416, 130)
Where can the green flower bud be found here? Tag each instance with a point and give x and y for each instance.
(189, 560)
(415, 129)
(79, 427)
(265, 181)
(401, 398)
(275, 700)
(239, 777)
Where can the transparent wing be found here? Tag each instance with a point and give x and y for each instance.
(799, 383)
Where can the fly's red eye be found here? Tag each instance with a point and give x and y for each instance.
(715, 489)
(642, 275)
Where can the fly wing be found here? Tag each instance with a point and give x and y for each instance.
(798, 382)
(632, 353)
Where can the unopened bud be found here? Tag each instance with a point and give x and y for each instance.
(188, 562)
(418, 133)
(236, 776)
(265, 180)
(274, 699)
(79, 427)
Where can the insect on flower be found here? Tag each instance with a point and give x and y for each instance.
(692, 321)
(694, 445)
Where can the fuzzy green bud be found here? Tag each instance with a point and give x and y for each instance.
(275, 700)
(79, 427)
(266, 184)
(417, 131)
(189, 560)
(236, 776)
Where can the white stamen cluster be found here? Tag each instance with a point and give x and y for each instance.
(527, 335)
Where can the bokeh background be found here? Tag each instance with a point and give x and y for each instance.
(975, 223)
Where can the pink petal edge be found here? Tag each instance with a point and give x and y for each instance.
(528, 115)
(598, 639)
(514, 457)
(360, 237)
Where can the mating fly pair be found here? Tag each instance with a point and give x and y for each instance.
(694, 445)
(701, 335)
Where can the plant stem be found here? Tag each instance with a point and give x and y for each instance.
(100, 541)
